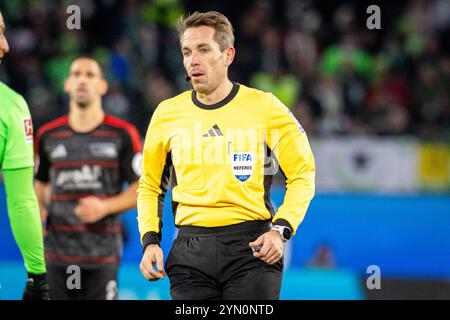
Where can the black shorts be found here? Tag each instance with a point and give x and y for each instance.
(217, 263)
(95, 282)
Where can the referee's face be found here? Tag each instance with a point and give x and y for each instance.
(4, 47)
(203, 60)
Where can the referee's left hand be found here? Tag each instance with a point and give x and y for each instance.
(272, 247)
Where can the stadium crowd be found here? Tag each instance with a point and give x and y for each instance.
(318, 57)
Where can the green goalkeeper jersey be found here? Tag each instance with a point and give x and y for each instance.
(16, 130)
(17, 162)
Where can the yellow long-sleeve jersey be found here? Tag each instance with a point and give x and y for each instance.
(220, 160)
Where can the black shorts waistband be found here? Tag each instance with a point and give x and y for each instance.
(247, 226)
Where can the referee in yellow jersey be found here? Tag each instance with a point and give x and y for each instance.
(219, 145)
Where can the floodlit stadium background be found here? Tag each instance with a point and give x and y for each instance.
(375, 104)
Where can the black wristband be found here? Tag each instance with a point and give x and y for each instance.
(150, 238)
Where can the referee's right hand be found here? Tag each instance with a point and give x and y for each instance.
(153, 255)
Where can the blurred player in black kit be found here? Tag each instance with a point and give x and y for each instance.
(85, 158)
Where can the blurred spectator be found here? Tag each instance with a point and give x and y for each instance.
(304, 112)
(285, 87)
(323, 258)
(347, 56)
(116, 103)
(301, 51)
(431, 99)
(249, 44)
(336, 77)
(329, 94)
(155, 88)
(120, 63)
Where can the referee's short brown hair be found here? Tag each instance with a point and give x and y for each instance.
(223, 29)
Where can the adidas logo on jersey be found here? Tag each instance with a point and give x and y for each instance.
(213, 132)
(59, 152)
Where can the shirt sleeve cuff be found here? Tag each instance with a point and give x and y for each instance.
(150, 238)
(283, 223)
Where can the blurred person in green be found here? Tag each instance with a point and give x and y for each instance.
(16, 163)
(347, 57)
(273, 77)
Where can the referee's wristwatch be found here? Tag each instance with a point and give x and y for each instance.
(285, 232)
